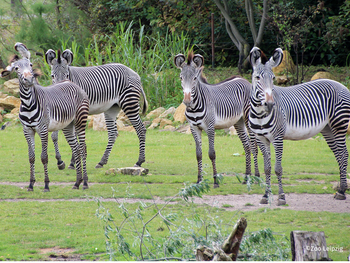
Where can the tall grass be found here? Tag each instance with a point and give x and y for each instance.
(150, 57)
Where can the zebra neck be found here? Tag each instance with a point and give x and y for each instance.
(30, 109)
(28, 95)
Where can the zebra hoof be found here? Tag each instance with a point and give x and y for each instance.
(98, 166)
(30, 189)
(281, 202)
(75, 187)
(46, 190)
(264, 201)
(216, 185)
(85, 187)
(339, 196)
(71, 167)
(61, 166)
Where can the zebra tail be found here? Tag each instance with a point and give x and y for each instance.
(145, 103)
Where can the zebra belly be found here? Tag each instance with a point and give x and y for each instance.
(226, 123)
(56, 125)
(101, 107)
(303, 133)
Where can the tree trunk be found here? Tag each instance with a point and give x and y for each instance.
(308, 246)
(229, 249)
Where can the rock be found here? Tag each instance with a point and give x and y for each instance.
(323, 75)
(90, 121)
(287, 64)
(99, 123)
(169, 128)
(164, 122)
(336, 185)
(281, 80)
(2, 95)
(11, 116)
(232, 131)
(155, 113)
(127, 128)
(184, 129)
(1, 118)
(12, 86)
(128, 171)
(123, 118)
(120, 124)
(10, 102)
(169, 111)
(153, 125)
(179, 114)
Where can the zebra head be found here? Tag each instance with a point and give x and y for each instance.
(22, 66)
(59, 66)
(263, 76)
(190, 74)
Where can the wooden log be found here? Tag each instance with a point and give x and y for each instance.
(308, 246)
(229, 249)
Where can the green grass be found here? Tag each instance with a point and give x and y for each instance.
(29, 225)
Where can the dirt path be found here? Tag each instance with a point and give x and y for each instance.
(244, 202)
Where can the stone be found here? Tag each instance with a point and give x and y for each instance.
(323, 75)
(99, 123)
(10, 102)
(169, 128)
(232, 131)
(11, 116)
(90, 121)
(164, 122)
(1, 118)
(179, 114)
(153, 125)
(123, 118)
(127, 128)
(128, 171)
(2, 95)
(12, 86)
(169, 111)
(287, 64)
(120, 124)
(155, 113)
(186, 129)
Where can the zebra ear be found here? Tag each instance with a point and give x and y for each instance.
(23, 50)
(68, 55)
(198, 60)
(276, 58)
(5, 72)
(255, 56)
(179, 60)
(50, 55)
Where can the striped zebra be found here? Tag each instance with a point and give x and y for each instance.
(110, 87)
(218, 106)
(44, 109)
(296, 113)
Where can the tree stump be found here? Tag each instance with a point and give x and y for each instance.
(308, 246)
(229, 249)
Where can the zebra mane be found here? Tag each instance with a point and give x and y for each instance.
(190, 57)
(263, 57)
(230, 78)
(59, 56)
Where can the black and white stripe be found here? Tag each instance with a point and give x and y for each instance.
(296, 113)
(218, 106)
(44, 109)
(110, 87)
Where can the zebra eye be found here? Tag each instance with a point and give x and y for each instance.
(52, 76)
(257, 78)
(31, 65)
(16, 68)
(195, 78)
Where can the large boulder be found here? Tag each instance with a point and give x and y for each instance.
(167, 112)
(179, 114)
(12, 87)
(155, 113)
(287, 64)
(10, 102)
(323, 75)
(99, 123)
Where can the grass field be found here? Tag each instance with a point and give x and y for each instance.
(36, 224)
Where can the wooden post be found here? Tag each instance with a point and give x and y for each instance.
(308, 246)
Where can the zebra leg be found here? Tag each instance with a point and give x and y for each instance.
(264, 145)
(134, 117)
(60, 164)
(197, 136)
(71, 138)
(80, 127)
(337, 142)
(110, 118)
(44, 136)
(278, 145)
(29, 135)
(212, 155)
(242, 134)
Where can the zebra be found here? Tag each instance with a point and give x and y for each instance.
(44, 109)
(296, 113)
(110, 88)
(218, 106)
